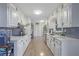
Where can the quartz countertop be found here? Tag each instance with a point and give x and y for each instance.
(63, 37)
(16, 38)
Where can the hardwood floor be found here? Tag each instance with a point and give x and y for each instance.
(37, 47)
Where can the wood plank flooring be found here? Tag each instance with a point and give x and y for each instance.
(37, 47)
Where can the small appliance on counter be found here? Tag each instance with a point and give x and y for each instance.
(17, 32)
(51, 31)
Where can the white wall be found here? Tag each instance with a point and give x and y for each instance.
(38, 29)
(3, 14)
(75, 15)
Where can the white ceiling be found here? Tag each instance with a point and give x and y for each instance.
(27, 8)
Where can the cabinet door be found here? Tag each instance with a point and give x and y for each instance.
(57, 48)
(8, 15)
(11, 16)
(3, 15)
(20, 48)
(25, 42)
(48, 40)
(69, 15)
(66, 15)
(52, 45)
(59, 18)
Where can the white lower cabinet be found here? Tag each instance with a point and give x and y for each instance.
(20, 44)
(52, 45)
(48, 41)
(57, 47)
(20, 48)
(64, 46)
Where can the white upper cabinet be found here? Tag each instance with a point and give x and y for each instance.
(52, 22)
(63, 15)
(8, 15)
(12, 16)
(59, 17)
(68, 15)
(71, 15)
(3, 14)
(75, 15)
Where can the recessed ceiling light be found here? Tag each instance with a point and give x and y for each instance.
(41, 21)
(37, 12)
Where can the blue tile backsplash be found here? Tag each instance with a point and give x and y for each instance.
(72, 32)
